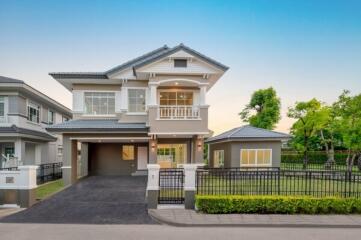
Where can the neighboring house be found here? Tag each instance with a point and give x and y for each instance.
(24, 114)
(246, 146)
(151, 109)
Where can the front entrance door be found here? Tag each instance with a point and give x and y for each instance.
(142, 158)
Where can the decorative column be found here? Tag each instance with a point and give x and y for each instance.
(19, 150)
(70, 158)
(198, 145)
(202, 95)
(153, 185)
(84, 151)
(189, 185)
(153, 94)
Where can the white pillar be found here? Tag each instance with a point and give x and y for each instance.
(153, 177)
(153, 185)
(153, 95)
(124, 99)
(202, 95)
(38, 148)
(19, 146)
(190, 171)
(27, 177)
(190, 177)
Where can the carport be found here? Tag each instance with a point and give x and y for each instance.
(103, 147)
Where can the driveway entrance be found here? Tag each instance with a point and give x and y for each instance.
(93, 200)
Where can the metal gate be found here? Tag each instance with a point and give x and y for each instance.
(171, 186)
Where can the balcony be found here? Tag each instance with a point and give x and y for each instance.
(178, 112)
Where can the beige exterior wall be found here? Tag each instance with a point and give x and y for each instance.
(232, 156)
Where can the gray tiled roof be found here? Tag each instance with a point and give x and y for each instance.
(154, 55)
(9, 80)
(16, 130)
(109, 125)
(175, 49)
(248, 132)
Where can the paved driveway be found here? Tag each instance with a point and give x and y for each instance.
(95, 199)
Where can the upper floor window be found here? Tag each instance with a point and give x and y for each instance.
(136, 100)
(50, 117)
(2, 107)
(33, 112)
(180, 63)
(176, 98)
(99, 103)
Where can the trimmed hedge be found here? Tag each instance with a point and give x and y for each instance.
(276, 204)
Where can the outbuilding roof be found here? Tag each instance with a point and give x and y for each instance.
(92, 125)
(248, 132)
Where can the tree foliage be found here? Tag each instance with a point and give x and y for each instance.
(310, 117)
(263, 111)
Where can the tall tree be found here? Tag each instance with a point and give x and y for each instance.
(349, 108)
(310, 117)
(263, 110)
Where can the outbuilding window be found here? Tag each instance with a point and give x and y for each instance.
(218, 158)
(256, 157)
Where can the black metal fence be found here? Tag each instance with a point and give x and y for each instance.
(49, 172)
(274, 181)
(171, 186)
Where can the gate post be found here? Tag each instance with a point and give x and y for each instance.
(153, 185)
(189, 185)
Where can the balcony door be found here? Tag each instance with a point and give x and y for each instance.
(177, 105)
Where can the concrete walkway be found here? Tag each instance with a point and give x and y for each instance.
(182, 217)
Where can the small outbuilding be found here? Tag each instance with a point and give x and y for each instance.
(246, 146)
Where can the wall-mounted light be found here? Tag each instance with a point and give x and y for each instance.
(199, 144)
(153, 146)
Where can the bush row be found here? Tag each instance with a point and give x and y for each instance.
(277, 204)
(318, 158)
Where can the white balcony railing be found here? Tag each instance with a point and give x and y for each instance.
(178, 112)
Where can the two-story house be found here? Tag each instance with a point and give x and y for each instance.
(24, 114)
(151, 109)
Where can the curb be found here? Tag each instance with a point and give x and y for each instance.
(166, 221)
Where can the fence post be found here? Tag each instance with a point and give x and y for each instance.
(190, 171)
(153, 185)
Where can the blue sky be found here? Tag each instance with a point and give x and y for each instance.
(303, 49)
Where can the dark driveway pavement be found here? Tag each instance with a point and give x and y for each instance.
(94, 200)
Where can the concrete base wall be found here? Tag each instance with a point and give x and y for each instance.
(23, 197)
(152, 199)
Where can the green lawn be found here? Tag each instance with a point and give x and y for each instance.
(49, 188)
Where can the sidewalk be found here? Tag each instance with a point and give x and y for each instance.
(190, 218)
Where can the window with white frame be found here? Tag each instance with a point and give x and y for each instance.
(99, 103)
(136, 100)
(218, 158)
(2, 108)
(176, 98)
(33, 112)
(256, 157)
(50, 117)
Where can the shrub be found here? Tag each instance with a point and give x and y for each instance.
(276, 204)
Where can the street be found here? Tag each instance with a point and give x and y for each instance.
(159, 232)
